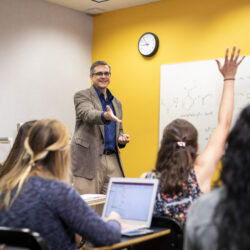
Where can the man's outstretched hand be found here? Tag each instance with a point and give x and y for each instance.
(109, 115)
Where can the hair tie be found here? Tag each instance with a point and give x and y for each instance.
(33, 158)
(181, 144)
(40, 156)
(31, 162)
(27, 147)
(29, 151)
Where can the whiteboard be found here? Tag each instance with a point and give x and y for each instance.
(192, 91)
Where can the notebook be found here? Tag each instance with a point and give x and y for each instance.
(133, 199)
(94, 198)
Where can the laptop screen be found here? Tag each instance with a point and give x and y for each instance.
(131, 198)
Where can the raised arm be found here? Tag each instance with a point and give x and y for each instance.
(207, 162)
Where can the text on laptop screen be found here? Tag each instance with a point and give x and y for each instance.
(130, 200)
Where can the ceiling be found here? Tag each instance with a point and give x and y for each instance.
(93, 8)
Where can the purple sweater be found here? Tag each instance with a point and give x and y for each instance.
(57, 212)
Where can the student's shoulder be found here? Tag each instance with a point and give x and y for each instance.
(210, 199)
(55, 193)
(52, 186)
(203, 208)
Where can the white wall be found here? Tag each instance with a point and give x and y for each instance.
(45, 55)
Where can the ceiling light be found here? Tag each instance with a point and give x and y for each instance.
(94, 11)
(99, 1)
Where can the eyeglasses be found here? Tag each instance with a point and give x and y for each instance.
(106, 73)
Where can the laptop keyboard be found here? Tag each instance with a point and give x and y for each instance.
(126, 226)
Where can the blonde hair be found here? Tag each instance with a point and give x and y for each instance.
(47, 155)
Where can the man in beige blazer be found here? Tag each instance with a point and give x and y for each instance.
(98, 134)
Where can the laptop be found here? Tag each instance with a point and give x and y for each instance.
(133, 199)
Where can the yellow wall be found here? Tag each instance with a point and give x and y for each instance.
(188, 30)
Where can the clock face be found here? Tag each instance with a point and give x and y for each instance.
(148, 44)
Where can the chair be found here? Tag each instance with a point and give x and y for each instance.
(22, 237)
(176, 236)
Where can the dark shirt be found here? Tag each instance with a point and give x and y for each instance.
(56, 211)
(109, 129)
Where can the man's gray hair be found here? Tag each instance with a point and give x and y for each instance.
(97, 63)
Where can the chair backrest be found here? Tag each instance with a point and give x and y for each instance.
(176, 229)
(22, 237)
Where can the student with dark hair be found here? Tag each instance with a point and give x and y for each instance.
(183, 174)
(17, 151)
(219, 220)
(36, 193)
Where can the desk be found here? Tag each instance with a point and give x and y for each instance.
(157, 241)
(96, 203)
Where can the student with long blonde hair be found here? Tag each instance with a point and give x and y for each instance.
(36, 193)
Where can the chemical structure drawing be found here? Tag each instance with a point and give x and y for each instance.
(205, 98)
(173, 104)
(188, 101)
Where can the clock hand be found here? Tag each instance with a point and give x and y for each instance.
(145, 41)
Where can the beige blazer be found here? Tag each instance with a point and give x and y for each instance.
(87, 144)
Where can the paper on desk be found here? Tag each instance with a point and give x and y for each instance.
(93, 198)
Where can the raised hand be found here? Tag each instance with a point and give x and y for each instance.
(230, 66)
(109, 115)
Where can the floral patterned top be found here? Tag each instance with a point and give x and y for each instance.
(176, 206)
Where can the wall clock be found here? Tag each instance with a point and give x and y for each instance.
(148, 44)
